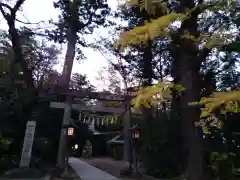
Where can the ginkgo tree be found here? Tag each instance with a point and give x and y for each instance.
(160, 27)
(190, 46)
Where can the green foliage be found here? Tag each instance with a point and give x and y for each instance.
(161, 146)
(4, 146)
(234, 46)
(79, 81)
(222, 164)
(40, 56)
(5, 143)
(81, 18)
(222, 146)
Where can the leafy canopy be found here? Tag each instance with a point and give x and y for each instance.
(165, 25)
(162, 27)
(158, 93)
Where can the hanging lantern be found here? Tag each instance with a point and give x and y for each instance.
(70, 131)
(136, 134)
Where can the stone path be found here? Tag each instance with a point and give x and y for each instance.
(88, 172)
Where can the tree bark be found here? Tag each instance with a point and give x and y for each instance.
(146, 64)
(187, 67)
(18, 59)
(64, 84)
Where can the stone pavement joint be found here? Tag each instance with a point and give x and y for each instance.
(88, 172)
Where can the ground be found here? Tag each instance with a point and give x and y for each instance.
(109, 165)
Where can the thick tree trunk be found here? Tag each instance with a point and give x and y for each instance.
(190, 79)
(64, 84)
(18, 59)
(192, 136)
(187, 67)
(28, 97)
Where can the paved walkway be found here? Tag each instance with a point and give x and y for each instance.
(109, 165)
(88, 172)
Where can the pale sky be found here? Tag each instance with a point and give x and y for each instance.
(43, 10)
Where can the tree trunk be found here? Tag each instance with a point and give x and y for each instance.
(192, 137)
(69, 58)
(146, 68)
(64, 84)
(187, 67)
(190, 79)
(18, 59)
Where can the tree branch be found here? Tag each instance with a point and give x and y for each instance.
(90, 18)
(2, 10)
(5, 5)
(16, 7)
(28, 22)
(203, 54)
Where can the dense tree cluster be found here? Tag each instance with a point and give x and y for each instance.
(198, 49)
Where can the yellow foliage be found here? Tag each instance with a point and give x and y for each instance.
(112, 103)
(159, 27)
(149, 5)
(228, 101)
(151, 30)
(191, 37)
(158, 93)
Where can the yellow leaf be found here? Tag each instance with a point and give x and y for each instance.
(150, 30)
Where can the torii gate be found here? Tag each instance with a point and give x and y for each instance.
(85, 93)
(73, 96)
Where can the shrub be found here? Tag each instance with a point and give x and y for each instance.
(160, 147)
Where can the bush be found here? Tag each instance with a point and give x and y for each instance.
(222, 164)
(5, 160)
(160, 147)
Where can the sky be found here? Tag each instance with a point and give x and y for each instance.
(43, 10)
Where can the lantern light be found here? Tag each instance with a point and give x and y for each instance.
(70, 131)
(136, 134)
(76, 146)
